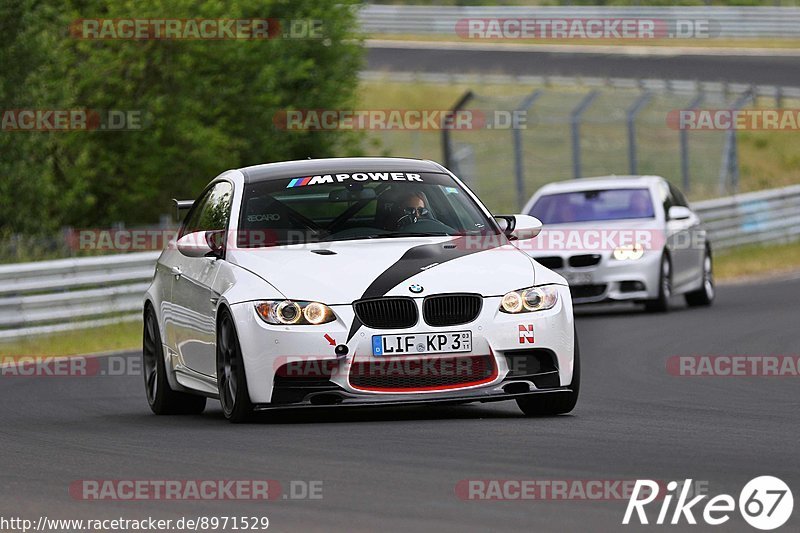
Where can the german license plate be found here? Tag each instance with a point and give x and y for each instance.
(422, 343)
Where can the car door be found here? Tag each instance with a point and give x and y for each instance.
(693, 245)
(193, 296)
(173, 264)
(679, 238)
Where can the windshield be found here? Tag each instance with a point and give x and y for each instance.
(363, 205)
(585, 206)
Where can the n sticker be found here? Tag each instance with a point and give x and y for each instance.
(525, 333)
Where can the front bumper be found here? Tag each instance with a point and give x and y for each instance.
(267, 349)
(609, 279)
(483, 395)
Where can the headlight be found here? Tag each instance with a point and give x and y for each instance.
(512, 302)
(528, 300)
(632, 252)
(290, 312)
(316, 313)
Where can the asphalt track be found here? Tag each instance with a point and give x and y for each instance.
(397, 469)
(779, 70)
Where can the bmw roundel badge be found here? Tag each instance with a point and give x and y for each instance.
(415, 288)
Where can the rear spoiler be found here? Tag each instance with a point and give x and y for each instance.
(182, 205)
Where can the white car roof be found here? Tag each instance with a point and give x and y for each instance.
(599, 182)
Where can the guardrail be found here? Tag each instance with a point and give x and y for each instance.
(52, 296)
(733, 22)
(757, 217)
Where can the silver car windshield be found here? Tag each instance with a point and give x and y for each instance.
(587, 206)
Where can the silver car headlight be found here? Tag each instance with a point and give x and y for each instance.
(291, 312)
(630, 252)
(529, 300)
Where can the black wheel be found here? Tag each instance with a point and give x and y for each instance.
(661, 304)
(231, 381)
(162, 399)
(704, 296)
(555, 403)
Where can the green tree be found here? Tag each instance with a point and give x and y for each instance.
(207, 105)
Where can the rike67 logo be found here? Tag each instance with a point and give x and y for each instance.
(765, 503)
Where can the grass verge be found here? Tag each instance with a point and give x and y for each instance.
(689, 43)
(123, 336)
(756, 261)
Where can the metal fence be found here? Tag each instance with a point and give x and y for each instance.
(583, 127)
(51, 296)
(733, 22)
(577, 127)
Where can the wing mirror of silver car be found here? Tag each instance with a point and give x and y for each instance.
(679, 212)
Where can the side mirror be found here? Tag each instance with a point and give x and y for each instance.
(679, 212)
(202, 244)
(519, 227)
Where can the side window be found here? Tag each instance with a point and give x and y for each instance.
(190, 224)
(217, 209)
(665, 197)
(212, 210)
(678, 196)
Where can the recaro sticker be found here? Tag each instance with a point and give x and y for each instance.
(357, 176)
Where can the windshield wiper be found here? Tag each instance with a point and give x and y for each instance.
(347, 238)
(412, 234)
(390, 235)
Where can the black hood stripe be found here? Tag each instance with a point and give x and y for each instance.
(415, 259)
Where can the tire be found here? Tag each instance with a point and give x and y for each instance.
(661, 304)
(162, 399)
(556, 403)
(231, 379)
(704, 296)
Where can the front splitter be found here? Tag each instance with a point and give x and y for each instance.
(351, 400)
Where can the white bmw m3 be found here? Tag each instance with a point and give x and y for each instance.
(354, 282)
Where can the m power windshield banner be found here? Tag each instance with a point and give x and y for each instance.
(357, 176)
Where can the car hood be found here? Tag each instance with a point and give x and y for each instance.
(351, 270)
